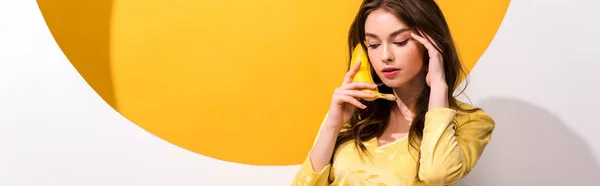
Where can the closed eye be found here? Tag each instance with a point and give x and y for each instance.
(402, 43)
(373, 46)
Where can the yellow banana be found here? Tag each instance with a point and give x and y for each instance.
(364, 73)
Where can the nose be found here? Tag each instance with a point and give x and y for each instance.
(388, 55)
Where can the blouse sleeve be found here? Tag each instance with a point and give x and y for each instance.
(307, 176)
(450, 150)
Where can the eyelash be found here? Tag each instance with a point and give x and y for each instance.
(402, 43)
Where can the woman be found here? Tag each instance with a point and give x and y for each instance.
(425, 136)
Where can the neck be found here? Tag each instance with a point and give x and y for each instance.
(407, 97)
(405, 102)
(402, 111)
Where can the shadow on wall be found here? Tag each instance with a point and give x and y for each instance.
(532, 147)
(82, 31)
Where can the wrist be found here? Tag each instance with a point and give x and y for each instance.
(331, 127)
(439, 85)
(330, 132)
(439, 96)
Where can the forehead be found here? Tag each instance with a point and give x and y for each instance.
(381, 22)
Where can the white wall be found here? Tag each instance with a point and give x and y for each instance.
(539, 79)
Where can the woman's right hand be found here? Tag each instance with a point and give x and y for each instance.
(346, 98)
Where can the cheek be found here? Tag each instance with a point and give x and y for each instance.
(410, 56)
(375, 59)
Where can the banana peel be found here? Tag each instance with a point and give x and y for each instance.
(364, 74)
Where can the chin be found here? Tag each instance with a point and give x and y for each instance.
(394, 83)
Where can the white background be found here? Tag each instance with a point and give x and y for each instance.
(539, 79)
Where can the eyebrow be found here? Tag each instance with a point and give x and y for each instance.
(393, 34)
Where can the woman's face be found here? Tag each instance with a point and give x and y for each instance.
(394, 55)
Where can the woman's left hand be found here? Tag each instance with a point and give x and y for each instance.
(435, 72)
(435, 78)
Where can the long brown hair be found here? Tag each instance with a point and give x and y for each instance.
(421, 15)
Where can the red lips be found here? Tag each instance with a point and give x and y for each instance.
(389, 72)
(389, 69)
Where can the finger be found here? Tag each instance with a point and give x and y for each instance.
(353, 101)
(350, 74)
(429, 39)
(430, 47)
(356, 94)
(359, 85)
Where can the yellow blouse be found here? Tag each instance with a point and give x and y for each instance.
(449, 150)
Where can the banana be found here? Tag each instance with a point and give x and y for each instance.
(364, 74)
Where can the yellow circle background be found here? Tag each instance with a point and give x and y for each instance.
(245, 82)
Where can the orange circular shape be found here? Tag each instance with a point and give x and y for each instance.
(246, 82)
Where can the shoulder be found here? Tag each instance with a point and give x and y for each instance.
(470, 114)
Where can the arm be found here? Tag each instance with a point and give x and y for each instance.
(450, 150)
(316, 167)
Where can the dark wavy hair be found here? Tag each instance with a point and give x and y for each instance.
(418, 15)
